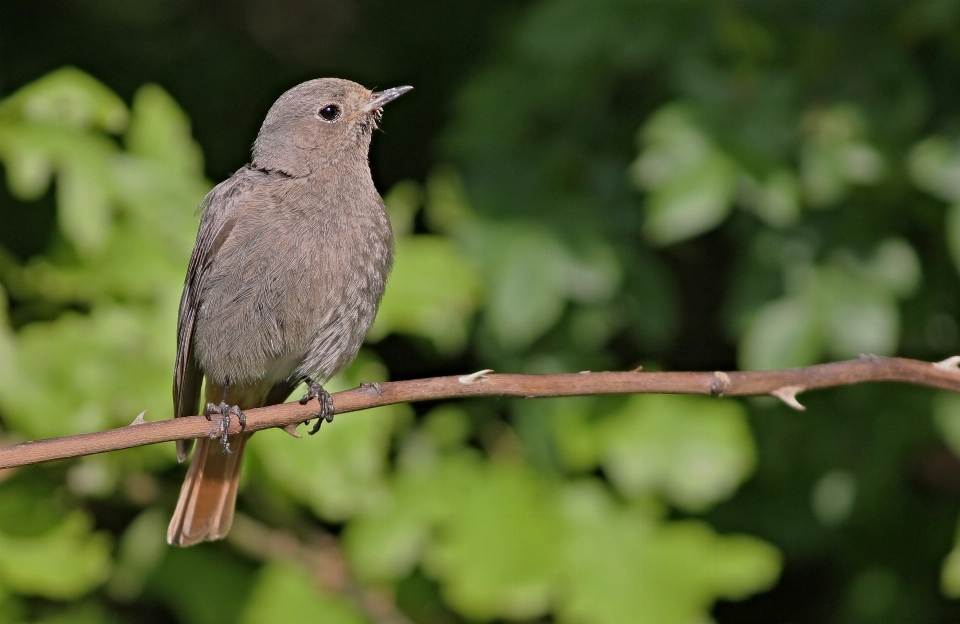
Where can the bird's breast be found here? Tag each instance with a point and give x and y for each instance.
(293, 292)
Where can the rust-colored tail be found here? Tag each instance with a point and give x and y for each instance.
(209, 494)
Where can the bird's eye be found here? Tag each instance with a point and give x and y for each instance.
(330, 112)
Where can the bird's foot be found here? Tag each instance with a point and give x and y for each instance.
(316, 391)
(224, 410)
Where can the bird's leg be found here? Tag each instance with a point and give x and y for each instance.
(315, 390)
(224, 410)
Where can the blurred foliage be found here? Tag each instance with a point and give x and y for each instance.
(680, 185)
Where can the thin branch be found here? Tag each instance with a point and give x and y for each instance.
(322, 555)
(783, 384)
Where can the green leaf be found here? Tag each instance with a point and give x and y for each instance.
(160, 131)
(504, 541)
(624, 566)
(285, 593)
(448, 426)
(387, 544)
(68, 96)
(933, 164)
(126, 354)
(859, 317)
(531, 275)
(83, 201)
(63, 563)
(497, 553)
(694, 204)
(844, 306)
(487, 531)
(696, 451)
(29, 170)
(783, 334)
(340, 471)
(386, 541)
(834, 156)
(858, 326)
(402, 204)
(592, 274)
(447, 207)
(28, 509)
(950, 573)
(946, 417)
(433, 292)
(823, 182)
(141, 549)
(691, 182)
(896, 265)
(146, 259)
(576, 436)
(81, 160)
(833, 496)
(776, 201)
(526, 296)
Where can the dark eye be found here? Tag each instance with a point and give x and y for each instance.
(330, 112)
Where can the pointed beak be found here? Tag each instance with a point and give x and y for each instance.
(380, 98)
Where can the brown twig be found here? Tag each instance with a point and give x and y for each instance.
(783, 384)
(322, 556)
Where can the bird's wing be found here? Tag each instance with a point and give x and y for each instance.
(220, 210)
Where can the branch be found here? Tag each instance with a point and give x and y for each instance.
(321, 554)
(783, 384)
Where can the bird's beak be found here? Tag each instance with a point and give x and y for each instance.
(379, 98)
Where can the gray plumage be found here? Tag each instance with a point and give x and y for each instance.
(292, 254)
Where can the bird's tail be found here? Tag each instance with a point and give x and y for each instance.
(209, 494)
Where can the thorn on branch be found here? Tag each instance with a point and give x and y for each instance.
(788, 394)
(292, 429)
(139, 419)
(472, 378)
(371, 385)
(637, 369)
(952, 363)
(720, 383)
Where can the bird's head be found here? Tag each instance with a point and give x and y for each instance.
(319, 123)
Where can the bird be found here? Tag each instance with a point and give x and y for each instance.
(291, 260)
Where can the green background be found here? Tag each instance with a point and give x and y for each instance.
(574, 185)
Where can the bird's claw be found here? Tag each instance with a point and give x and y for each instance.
(316, 391)
(224, 410)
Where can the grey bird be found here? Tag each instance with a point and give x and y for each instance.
(291, 260)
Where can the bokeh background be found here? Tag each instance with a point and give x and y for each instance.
(574, 185)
